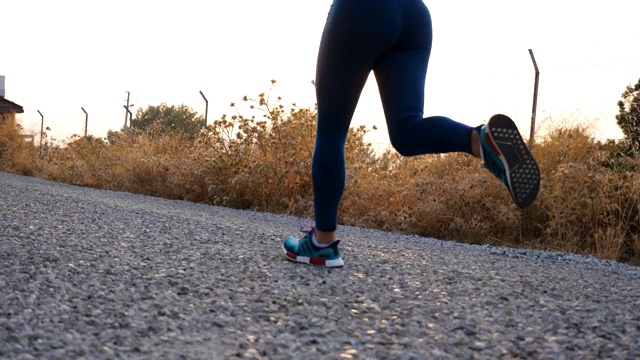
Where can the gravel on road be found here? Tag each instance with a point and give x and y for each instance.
(97, 274)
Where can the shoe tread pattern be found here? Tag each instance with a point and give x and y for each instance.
(524, 174)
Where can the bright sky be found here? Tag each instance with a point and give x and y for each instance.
(59, 56)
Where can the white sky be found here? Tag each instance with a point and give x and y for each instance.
(59, 56)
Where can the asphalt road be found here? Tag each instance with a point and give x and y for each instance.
(98, 274)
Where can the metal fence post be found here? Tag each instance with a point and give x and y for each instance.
(41, 131)
(86, 121)
(206, 111)
(127, 108)
(130, 125)
(535, 101)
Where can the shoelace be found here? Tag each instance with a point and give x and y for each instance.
(307, 226)
(307, 229)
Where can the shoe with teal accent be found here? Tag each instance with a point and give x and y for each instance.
(505, 154)
(303, 251)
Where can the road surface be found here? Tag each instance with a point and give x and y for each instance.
(99, 274)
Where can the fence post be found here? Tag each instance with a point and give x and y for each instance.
(130, 125)
(41, 131)
(206, 111)
(127, 108)
(535, 100)
(86, 121)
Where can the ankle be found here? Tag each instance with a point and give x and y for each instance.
(325, 237)
(475, 142)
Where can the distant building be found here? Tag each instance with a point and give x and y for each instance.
(6, 106)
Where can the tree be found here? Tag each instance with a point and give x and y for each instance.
(629, 117)
(166, 119)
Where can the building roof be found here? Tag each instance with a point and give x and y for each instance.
(7, 106)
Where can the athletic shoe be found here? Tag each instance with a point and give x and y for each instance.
(505, 154)
(302, 250)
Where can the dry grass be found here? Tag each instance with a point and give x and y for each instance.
(264, 164)
(16, 154)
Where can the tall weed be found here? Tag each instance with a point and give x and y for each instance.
(262, 161)
(17, 155)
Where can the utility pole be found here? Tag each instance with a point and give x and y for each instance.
(535, 100)
(206, 111)
(86, 121)
(41, 131)
(127, 108)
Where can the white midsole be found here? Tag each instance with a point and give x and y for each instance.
(307, 260)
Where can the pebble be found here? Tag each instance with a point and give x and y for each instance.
(171, 279)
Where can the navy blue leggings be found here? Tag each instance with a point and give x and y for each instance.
(392, 38)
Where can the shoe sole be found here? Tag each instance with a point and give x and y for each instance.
(523, 174)
(312, 260)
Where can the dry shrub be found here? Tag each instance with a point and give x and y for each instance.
(77, 162)
(16, 154)
(263, 162)
(446, 196)
(372, 195)
(149, 165)
(259, 162)
(463, 201)
(582, 207)
(589, 208)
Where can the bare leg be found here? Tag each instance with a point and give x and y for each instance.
(475, 143)
(325, 237)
